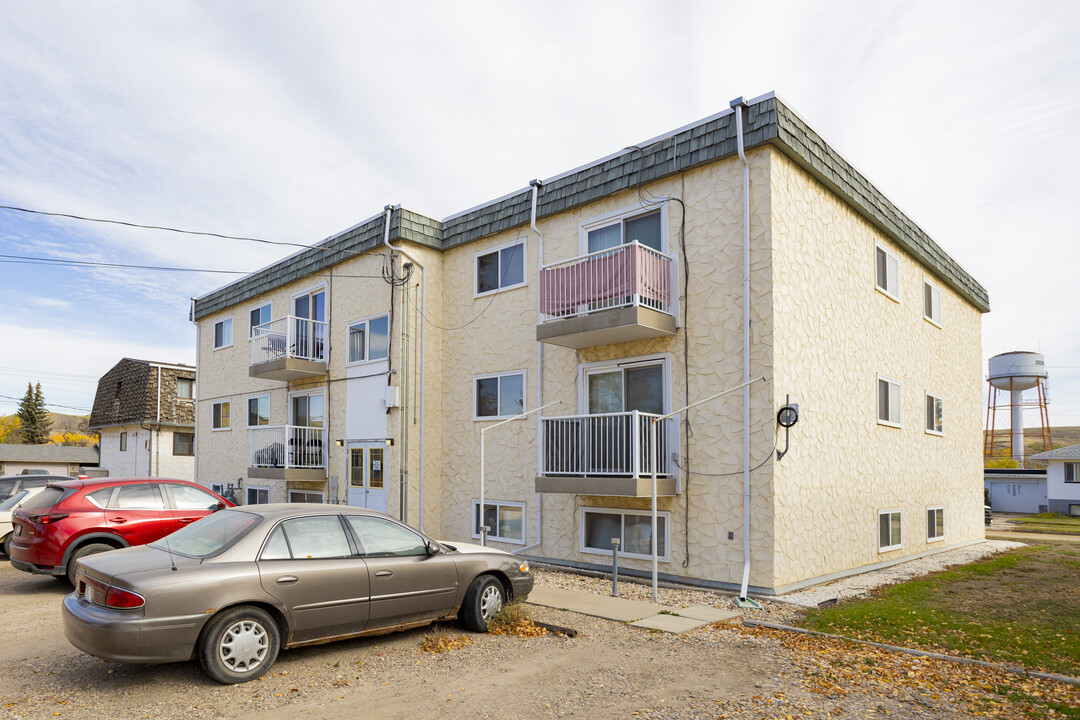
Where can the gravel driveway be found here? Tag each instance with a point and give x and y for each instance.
(609, 670)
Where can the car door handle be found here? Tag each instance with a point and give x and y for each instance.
(118, 520)
(383, 573)
(186, 520)
(287, 580)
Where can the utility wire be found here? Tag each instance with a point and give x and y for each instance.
(69, 407)
(58, 262)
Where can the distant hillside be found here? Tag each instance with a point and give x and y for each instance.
(1033, 441)
(70, 423)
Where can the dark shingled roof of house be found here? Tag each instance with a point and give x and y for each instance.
(767, 121)
(128, 394)
(12, 452)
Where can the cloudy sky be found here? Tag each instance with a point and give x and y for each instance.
(290, 121)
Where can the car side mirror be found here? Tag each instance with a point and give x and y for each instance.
(218, 506)
(432, 548)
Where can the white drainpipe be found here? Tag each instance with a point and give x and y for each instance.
(738, 104)
(539, 376)
(195, 394)
(423, 347)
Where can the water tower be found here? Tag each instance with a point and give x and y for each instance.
(1013, 373)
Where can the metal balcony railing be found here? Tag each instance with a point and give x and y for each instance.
(614, 444)
(626, 275)
(287, 446)
(289, 337)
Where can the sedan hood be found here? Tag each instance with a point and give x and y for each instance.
(469, 548)
(126, 562)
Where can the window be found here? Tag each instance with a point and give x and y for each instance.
(183, 444)
(223, 333)
(933, 414)
(501, 268)
(258, 495)
(221, 415)
(1072, 472)
(632, 527)
(219, 488)
(887, 273)
(645, 228)
(935, 523)
(123, 442)
(890, 523)
(259, 316)
(888, 402)
(305, 496)
(499, 395)
(185, 388)
(1074, 509)
(932, 302)
(369, 339)
(504, 520)
(186, 497)
(258, 410)
(380, 537)
(144, 496)
(320, 536)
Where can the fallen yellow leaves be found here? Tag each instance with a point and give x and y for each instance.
(441, 642)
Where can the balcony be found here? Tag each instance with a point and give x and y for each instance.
(611, 296)
(287, 452)
(606, 455)
(289, 348)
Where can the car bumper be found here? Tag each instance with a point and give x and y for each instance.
(521, 586)
(115, 636)
(35, 569)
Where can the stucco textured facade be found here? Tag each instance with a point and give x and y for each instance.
(819, 331)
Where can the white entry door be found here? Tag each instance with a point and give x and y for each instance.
(367, 488)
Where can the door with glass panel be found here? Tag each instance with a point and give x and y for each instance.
(367, 486)
(308, 418)
(612, 393)
(309, 333)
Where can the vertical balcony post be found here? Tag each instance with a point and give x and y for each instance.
(635, 443)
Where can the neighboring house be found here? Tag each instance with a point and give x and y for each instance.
(1062, 479)
(145, 414)
(54, 459)
(1017, 491)
(318, 380)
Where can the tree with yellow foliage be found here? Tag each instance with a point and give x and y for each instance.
(72, 438)
(9, 428)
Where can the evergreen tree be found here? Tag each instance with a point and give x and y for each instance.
(34, 419)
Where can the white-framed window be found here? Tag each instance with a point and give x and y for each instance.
(632, 527)
(218, 488)
(890, 530)
(935, 523)
(1072, 472)
(369, 339)
(889, 401)
(185, 388)
(932, 302)
(258, 410)
(123, 442)
(646, 225)
(505, 520)
(306, 496)
(501, 268)
(934, 414)
(221, 415)
(887, 272)
(256, 495)
(223, 333)
(259, 316)
(499, 395)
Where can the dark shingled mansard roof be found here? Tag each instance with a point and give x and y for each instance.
(767, 121)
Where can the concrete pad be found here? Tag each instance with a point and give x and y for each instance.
(708, 614)
(670, 623)
(602, 606)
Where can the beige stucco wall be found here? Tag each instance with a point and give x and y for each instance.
(834, 334)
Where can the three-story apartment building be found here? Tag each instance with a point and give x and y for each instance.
(741, 247)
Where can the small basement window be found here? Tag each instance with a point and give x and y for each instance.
(890, 526)
(935, 523)
(504, 520)
(632, 527)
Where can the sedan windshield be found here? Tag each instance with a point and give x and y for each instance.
(211, 535)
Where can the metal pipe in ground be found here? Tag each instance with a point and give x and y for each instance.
(614, 567)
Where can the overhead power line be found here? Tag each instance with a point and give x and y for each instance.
(69, 407)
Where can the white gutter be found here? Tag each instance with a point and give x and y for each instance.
(536, 184)
(195, 395)
(738, 104)
(388, 214)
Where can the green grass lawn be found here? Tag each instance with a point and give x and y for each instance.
(1020, 608)
(1048, 522)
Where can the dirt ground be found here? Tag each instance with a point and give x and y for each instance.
(610, 670)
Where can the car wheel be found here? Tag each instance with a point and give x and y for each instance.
(483, 601)
(91, 549)
(6, 545)
(239, 645)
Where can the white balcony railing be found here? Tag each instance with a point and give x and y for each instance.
(289, 337)
(626, 275)
(610, 444)
(287, 446)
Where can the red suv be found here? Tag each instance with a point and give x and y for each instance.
(71, 519)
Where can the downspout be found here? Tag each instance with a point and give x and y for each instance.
(195, 395)
(536, 185)
(157, 448)
(738, 104)
(389, 211)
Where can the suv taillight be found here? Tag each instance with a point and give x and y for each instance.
(46, 518)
